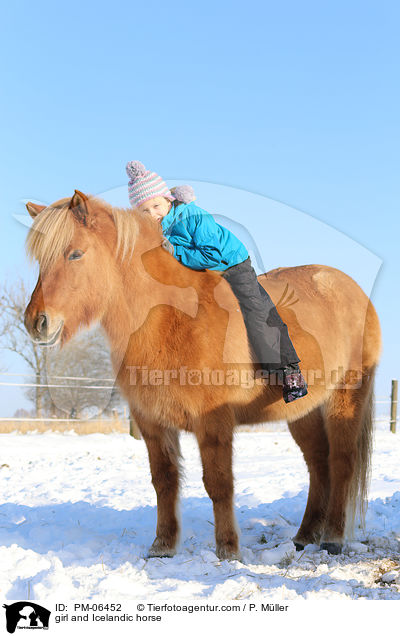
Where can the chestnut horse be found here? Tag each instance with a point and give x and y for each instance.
(180, 351)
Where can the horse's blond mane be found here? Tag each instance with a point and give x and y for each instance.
(51, 233)
(53, 229)
(127, 225)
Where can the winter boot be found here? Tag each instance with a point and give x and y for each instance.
(294, 384)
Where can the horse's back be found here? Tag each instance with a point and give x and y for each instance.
(311, 280)
(327, 288)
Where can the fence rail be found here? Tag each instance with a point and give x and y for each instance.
(393, 401)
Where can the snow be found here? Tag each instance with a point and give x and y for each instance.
(77, 516)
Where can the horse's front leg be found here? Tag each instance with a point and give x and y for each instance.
(164, 455)
(214, 436)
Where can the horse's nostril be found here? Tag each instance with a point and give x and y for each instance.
(41, 323)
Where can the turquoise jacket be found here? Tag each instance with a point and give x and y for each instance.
(199, 241)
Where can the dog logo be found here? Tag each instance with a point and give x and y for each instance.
(26, 615)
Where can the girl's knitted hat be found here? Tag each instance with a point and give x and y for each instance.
(144, 185)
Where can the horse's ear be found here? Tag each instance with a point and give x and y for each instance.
(34, 209)
(78, 207)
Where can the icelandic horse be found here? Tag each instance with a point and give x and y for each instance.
(104, 264)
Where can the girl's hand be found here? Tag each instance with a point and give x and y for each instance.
(167, 246)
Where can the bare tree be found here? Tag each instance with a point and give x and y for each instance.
(86, 356)
(14, 337)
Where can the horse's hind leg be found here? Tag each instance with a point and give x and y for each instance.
(309, 433)
(348, 422)
(164, 455)
(214, 436)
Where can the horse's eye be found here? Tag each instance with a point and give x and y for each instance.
(75, 255)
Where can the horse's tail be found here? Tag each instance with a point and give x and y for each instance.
(358, 492)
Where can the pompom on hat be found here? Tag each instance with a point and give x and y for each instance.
(183, 193)
(144, 185)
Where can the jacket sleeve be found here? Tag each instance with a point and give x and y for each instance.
(204, 250)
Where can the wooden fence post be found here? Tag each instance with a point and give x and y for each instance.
(133, 428)
(393, 407)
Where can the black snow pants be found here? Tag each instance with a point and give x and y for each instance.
(266, 330)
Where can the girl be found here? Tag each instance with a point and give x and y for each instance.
(197, 241)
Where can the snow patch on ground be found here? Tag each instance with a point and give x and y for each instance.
(77, 516)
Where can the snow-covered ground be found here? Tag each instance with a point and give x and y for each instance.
(77, 515)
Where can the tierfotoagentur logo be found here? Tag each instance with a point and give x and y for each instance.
(26, 615)
(245, 378)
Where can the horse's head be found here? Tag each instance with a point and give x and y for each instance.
(74, 241)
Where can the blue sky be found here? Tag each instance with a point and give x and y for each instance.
(297, 103)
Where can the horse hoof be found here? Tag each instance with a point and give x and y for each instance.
(160, 553)
(298, 546)
(158, 549)
(227, 554)
(331, 548)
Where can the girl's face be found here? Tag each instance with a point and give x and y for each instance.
(157, 207)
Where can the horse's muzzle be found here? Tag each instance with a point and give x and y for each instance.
(38, 329)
